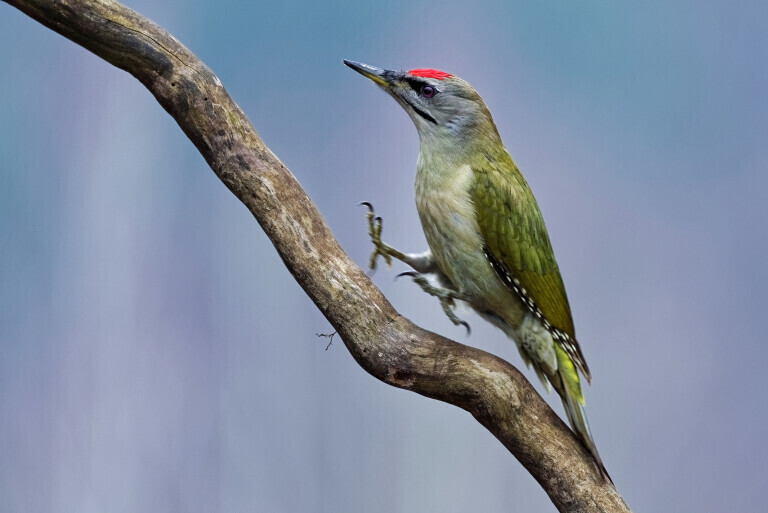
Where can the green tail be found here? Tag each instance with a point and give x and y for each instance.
(569, 388)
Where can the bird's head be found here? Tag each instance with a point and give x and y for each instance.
(442, 106)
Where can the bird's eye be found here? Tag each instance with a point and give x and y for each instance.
(427, 91)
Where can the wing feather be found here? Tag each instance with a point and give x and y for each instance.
(518, 246)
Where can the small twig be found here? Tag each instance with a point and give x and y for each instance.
(329, 336)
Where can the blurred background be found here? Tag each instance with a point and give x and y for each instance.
(155, 355)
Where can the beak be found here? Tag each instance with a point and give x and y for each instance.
(382, 77)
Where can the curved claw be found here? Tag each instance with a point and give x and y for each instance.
(366, 204)
(412, 274)
(445, 296)
(448, 305)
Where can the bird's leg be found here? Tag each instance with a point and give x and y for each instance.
(421, 262)
(446, 295)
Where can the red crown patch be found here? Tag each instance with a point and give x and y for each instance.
(429, 73)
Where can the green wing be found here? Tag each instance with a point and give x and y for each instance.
(518, 245)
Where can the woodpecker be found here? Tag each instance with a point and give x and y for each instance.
(488, 245)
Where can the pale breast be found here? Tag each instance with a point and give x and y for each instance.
(450, 226)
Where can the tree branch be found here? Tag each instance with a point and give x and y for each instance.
(384, 343)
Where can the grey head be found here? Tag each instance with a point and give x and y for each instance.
(440, 104)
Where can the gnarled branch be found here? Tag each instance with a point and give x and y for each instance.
(384, 343)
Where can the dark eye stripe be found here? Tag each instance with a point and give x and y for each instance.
(416, 85)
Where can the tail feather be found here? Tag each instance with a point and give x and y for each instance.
(569, 389)
(577, 417)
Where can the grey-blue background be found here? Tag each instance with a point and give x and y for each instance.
(155, 355)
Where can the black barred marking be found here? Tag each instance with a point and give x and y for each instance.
(569, 345)
(520, 291)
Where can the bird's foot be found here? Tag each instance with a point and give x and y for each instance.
(446, 296)
(381, 249)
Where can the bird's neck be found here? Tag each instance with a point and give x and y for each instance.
(442, 152)
(459, 141)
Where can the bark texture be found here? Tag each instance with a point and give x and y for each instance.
(384, 343)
